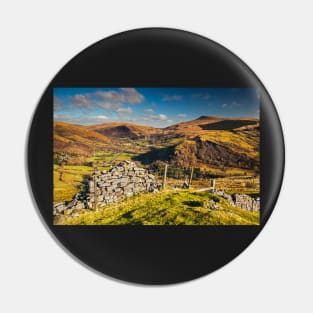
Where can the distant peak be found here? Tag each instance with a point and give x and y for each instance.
(205, 117)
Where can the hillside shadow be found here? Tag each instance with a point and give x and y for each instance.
(227, 125)
(193, 203)
(162, 154)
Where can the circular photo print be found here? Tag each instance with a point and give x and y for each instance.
(155, 156)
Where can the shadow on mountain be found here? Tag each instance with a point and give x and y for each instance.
(120, 131)
(193, 204)
(162, 154)
(227, 125)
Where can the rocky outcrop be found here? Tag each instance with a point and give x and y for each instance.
(246, 202)
(242, 201)
(124, 180)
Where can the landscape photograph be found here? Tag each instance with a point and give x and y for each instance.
(156, 156)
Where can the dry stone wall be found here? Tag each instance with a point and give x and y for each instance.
(246, 202)
(127, 180)
(242, 201)
(120, 182)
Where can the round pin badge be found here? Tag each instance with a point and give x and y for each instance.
(155, 156)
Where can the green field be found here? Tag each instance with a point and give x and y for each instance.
(169, 207)
(74, 175)
(165, 208)
(109, 157)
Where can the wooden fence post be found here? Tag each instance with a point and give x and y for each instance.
(61, 171)
(164, 177)
(94, 179)
(190, 177)
(94, 190)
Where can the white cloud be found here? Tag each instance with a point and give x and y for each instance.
(82, 101)
(57, 104)
(109, 105)
(161, 117)
(111, 96)
(109, 100)
(172, 98)
(101, 117)
(157, 120)
(181, 115)
(233, 104)
(124, 95)
(124, 111)
(148, 110)
(81, 120)
(132, 95)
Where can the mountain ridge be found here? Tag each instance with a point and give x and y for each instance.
(208, 141)
(124, 129)
(71, 138)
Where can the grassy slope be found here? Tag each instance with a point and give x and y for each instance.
(246, 142)
(72, 181)
(201, 125)
(73, 138)
(77, 139)
(116, 129)
(74, 175)
(166, 208)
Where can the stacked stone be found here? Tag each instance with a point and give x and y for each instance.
(242, 201)
(246, 202)
(120, 182)
(224, 195)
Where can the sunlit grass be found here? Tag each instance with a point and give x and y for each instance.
(166, 208)
(73, 175)
(71, 183)
(242, 142)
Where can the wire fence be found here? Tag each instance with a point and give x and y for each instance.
(176, 177)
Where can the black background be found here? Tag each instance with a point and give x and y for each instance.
(154, 58)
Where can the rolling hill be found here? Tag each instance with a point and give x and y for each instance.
(211, 142)
(203, 124)
(124, 130)
(75, 139)
(208, 142)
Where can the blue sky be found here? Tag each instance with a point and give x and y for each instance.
(159, 107)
